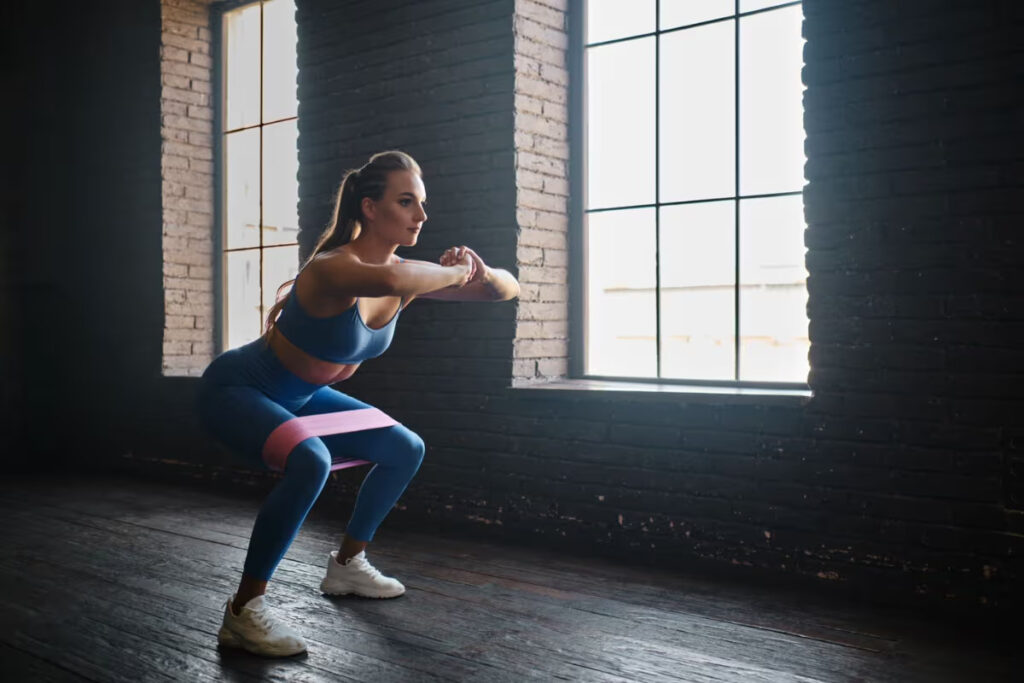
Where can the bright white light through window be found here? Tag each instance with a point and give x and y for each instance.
(695, 160)
(259, 163)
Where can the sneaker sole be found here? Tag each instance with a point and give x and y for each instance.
(378, 596)
(228, 638)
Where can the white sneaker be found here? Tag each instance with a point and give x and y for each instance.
(255, 629)
(358, 576)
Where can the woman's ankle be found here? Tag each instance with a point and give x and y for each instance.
(350, 548)
(248, 589)
(237, 604)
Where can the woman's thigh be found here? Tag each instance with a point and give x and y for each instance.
(240, 417)
(381, 444)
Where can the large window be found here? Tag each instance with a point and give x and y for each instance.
(692, 211)
(258, 163)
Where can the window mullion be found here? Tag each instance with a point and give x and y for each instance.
(260, 227)
(657, 189)
(736, 180)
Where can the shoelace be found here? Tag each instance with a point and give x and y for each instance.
(364, 565)
(263, 620)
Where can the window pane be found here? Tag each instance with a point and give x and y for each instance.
(280, 70)
(620, 124)
(280, 183)
(242, 300)
(242, 67)
(698, 277)
(611, 19)
(675, 13)
(280, 264)
(771, 102)
(773, 290)
(621, 306)
(698, 105)
(751, 5)
(242, 189)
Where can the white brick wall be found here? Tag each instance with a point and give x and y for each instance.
(541, 348)
(186, 127)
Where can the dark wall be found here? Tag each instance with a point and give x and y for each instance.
(900, 478)
(15, 77)
(82, 225)
(914, 118)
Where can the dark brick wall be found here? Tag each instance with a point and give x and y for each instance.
(913, 118)
(433, 79)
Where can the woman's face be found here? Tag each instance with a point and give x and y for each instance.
(398, 216)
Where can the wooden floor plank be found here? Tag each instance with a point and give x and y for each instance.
(20, 665)
(155, 563)
(85, 599)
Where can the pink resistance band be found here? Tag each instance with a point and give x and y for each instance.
(290, 434)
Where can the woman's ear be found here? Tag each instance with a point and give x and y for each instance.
(369, 207)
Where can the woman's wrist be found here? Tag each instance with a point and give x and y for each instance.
(461, 272)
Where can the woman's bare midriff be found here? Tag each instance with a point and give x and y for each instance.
(305, 366)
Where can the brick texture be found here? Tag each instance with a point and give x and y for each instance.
(541, 140)
(186, 129)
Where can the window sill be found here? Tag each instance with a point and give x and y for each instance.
(577, 388)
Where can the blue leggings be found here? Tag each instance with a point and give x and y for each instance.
(245, 394)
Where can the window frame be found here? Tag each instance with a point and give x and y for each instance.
(219, 160)
(578, 164)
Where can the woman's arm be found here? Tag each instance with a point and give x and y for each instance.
(501, 284)
(487, 284)
(345, 275)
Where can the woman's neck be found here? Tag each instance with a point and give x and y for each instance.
(370, 250)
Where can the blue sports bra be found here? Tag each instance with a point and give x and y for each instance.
(342, 338)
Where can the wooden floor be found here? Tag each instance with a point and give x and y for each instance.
(120, 580)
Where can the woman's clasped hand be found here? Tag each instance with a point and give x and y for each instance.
(459, 255)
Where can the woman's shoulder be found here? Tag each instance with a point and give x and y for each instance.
(335, 255)
(323, 266)
(329, 269)
(342, 254)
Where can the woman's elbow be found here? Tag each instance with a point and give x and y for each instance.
(509, 290)
(393, 284)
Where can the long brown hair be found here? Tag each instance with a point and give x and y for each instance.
(369, 181)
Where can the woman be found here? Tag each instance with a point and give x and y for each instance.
(269, 400)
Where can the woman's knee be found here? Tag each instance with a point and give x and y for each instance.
(309, 460)
(407, 446)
